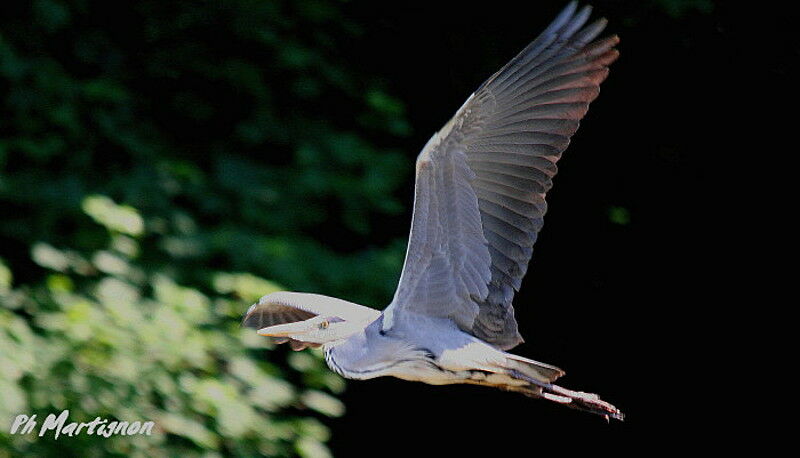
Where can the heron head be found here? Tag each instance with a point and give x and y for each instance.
(307, 319)
(318, 330)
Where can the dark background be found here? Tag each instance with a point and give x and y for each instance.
(285, 133)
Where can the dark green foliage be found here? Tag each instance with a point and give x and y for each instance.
(150, 153)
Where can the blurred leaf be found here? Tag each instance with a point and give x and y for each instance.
(678, 8)
(385, 103)
(52, 15)
(49, 257)
(6, 277)
(619, 215)
(189, 429)
(120, 218)
(59, 283)
(323, 403)
(246, 286)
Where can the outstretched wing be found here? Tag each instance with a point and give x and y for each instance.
(481, 180)
(289, 307)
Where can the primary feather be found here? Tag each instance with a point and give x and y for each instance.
(481, 181)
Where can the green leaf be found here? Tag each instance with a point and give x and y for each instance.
(117, 218)
(619, 215)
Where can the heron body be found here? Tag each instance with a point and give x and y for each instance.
(416, 356)
(479, 204)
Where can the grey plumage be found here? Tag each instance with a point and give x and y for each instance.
(479, 204)
(505, 142)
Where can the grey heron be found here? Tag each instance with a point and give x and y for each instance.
(479, 201)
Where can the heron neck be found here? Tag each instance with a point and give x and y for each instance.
(368, 354)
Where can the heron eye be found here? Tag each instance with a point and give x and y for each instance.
(324, 325)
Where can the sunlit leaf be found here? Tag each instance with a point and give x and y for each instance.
(310, 448)
(6, 277)
(49, 257)
(323, 403)
(119, 218)
(59, 283)
(246, 286)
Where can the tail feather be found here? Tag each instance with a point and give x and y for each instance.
(540, 371)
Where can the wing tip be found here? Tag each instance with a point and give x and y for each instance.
(250, 318)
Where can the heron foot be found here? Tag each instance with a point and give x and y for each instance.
(588, 402)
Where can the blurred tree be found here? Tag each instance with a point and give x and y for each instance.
(150, 153)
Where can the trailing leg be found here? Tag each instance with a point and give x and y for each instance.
(588, 402)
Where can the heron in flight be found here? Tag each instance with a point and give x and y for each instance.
(478, 207)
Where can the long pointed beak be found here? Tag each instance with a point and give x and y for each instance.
(285, 330)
